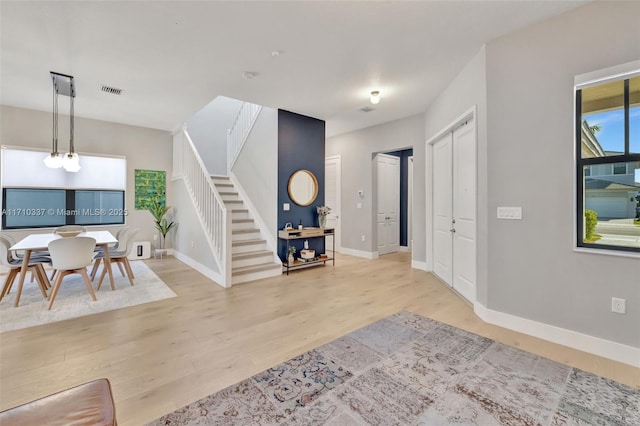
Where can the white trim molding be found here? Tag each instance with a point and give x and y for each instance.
(204, 270)
(359, 253)
(583, 342)
(417, 264)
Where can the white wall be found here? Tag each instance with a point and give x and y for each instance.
(356, 149)
(533, 271)
(208, 131)
(468, 89)
(256, 168)
(144, 149)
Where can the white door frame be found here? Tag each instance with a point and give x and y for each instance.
(410, 203)
(338, 208)
(471, 113)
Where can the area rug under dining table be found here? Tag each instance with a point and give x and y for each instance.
(410, 370)
(73, 300)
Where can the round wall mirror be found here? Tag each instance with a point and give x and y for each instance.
(303, 187)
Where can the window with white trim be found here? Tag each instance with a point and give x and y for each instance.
(608, 163)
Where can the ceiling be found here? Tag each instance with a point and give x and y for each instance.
(171, 58)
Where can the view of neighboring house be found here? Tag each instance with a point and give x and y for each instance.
(611, 190)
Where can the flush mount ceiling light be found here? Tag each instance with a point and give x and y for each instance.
(375, 97)
(63, 85)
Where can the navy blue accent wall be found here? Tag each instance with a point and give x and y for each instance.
(300, 146)
(404, 192)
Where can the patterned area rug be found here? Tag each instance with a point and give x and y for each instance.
(73, 299)
(410, 370)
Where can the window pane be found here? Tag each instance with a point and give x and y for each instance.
(634, 115)
(99, 207)
(612, 207)
(31, 208)
(603, 120)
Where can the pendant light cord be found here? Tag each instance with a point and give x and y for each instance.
(55, 120)
(71, 126)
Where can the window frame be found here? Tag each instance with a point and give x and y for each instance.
(580, 162)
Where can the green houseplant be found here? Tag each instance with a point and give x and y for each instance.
(158, 211)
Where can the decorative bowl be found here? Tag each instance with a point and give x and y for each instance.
(69, 233)
(307, 254)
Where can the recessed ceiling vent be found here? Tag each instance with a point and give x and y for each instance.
(367, 109)
(111, 90)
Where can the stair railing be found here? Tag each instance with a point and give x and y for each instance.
(215, 218)
(240, 130)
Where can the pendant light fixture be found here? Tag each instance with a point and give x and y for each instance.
(63, 85)
(375, 97)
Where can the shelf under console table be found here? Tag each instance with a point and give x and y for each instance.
(306, 233)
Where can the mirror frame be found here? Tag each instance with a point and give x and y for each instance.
(315, 185)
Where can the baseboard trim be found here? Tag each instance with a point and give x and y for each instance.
(204, 270)
(359, 253)
(404, 249)
(416, 264)
(583, 342)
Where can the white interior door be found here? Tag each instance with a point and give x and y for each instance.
(332, 186)
(443, 208)
(388, 203)
(464, 210)
(454, 209)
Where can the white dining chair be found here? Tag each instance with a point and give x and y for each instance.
(120, 256)
(14, 265)
(119, 246)
(69, 228)
(71, 256)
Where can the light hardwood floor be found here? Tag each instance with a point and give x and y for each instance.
(163, 355)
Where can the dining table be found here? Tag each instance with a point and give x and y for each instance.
(40, 242)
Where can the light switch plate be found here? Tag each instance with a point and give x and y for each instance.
(286, 207)
(513, 213)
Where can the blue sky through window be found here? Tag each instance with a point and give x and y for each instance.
(611, 134)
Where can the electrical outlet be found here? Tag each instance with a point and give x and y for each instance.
(363, 238)
(619, 306)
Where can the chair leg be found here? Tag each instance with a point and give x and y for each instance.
(41, 277)
(56, 287)
(83, 272)
(53, 275)
(8, 282)
(102, 275)
(127, 266)
(121, 269)
(94, 269)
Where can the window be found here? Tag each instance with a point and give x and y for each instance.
(608, 164)
(39, 208)
(34, 196)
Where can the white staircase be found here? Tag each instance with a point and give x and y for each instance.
(250, 257)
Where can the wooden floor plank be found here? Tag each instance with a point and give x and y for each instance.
(163, 355)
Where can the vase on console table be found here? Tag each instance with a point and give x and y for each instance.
(322, 221)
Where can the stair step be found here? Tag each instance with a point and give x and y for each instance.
(240, 214)
(244, 246)
(251, 254)
(245, 231)
(245, 234)
(242, 223)
(250, 258)
(256, 268)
